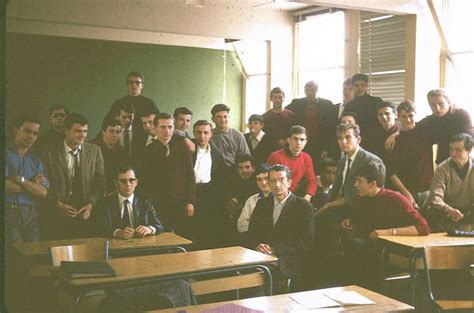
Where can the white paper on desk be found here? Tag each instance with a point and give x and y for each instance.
(348, 297)
(312, 300)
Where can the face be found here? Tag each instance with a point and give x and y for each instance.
(407, 119)
(183, 121)
(297, 142)
(347, 92)
(347, 119)
(262, 182)
(125, 119)
(458, 153)
(111, 135)
(57, 118)
(277, 100)
(245, 169)
(360, 88)
(279, 184)
(126, 183)
(386, 118)
(328, 174)
(439, 105)
(148, 126)
(135, 85)
(221, 119)
(255, 127)
(362, 186)
(203, 133)
(76, 135)
(348, 142)
(310, 91)
(26, 134)
(164, 130)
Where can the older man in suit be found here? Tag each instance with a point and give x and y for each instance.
(282, 225)
(126, 215)
(76, 172)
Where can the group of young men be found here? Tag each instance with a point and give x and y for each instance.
(145, 172)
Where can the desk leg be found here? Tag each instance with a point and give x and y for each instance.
(269, 277)
(413, 274)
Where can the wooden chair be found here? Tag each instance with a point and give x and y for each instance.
(450, 258)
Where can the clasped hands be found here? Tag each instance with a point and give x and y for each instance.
(129, 232)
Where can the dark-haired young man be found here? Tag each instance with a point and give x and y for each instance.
(325, 181)
(182, 117)
(125, 114)
(76, 172)
(125, 214)
(57, 115)
(25, 183)
(259, 143)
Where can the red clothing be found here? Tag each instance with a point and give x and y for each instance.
(301, 168)
(277, 125)
(310, 116)
(388, 209)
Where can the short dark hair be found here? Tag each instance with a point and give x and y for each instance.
(348, 113)
(347, 82)
(219, 108)
(262, 168)
(256, 118)
(25, 118)
(372, 171)
(296, 130)
(182, 110)
(124, 169)
(136, 74)
(386, 104)
(56, 107)
(468, 140)
(407, 105)
(110, 122)
(341, 128)
(243, 157)
(149, 112)
(281, 168)
(276, 90)
(124, 106)
(75, 118)
(161, 116)
(360, 76)
(202, 123)
(327, 162)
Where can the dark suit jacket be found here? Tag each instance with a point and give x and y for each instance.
(291, 237)
(143, 214)
(264, 148)
(365, 108)
(218, 165)
(362, 158)
(92, 173)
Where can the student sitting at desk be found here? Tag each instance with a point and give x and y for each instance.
(125, 214)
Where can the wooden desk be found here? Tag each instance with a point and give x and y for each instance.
(413, 247)
(153, 268)
(283, 303)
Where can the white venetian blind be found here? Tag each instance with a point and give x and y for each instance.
(382, 54)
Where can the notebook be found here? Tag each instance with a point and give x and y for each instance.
(73, 269)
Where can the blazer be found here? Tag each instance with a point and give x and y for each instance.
(218, 165)
(264, 148)
(92, 173)
(143, 214)
(362, 158)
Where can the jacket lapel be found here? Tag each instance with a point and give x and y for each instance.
(284, 212)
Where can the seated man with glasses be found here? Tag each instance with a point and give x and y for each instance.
(124, 214)
(57, 116)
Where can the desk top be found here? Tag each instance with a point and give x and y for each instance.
(432, 240)
(163, 265)
(39, 248)
(283, 303)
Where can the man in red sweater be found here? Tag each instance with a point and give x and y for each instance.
(300, 163)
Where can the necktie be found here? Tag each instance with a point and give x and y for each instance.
(254, 142)
(348, 167)
(167, 150)
(76, 187)
(126, 140)
(126, 215)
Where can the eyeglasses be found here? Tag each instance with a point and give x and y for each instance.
(29, 131)
(135, 82)
(124, 180)
(60, 115)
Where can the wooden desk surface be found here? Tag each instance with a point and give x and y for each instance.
(283, 303)
(432, 240)
(40, 248)
(156, 266)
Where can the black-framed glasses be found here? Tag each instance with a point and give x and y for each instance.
(135, 82)
(56, 115)
(125, 180)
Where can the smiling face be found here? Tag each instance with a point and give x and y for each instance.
(407, 119)
(221, 119)
(277, 99)
(203, 133)
(386, 117)
(245, 169)
(263, 183)
(183, 121)
(26, 135)
(76, 135)
(126, 183)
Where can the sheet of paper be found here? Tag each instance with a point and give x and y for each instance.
(312, 300)
(231, 308)
(348, 297)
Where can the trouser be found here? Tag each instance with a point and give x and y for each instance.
(21, 223)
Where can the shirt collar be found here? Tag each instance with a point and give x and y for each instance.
(260, 135)
(283, 202)
(122, 199)
(355, 154)
(201, 150)
(68, 149)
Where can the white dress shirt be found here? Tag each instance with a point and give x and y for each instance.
(203, 166)
(278, 207)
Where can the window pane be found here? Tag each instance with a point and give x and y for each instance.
(460, 80)
(256, 95)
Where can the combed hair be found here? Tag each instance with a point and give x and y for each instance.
(56, 107)
(256, 118)
(110, 122)
(296, 130)
(75, 118)
(407, 106)
(349, 113)
(281, 168)
(182, 110)
(124, 169)
(202, 123)
(468, 140)
(326, 163)
(372, 171)
(262, 168)
(341, 128)
(135, 74)
(124, 106)
(243, 157)
(24, 118)
(360, 76)
(386, 104)
(219, 108)
(438, 92)
(276, 90)
(162, 116)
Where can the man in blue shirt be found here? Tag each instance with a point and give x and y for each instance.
(25, 183)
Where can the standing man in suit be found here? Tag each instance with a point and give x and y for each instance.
(57, 116)
(76, 172)
(259, 143)
(283, 225)
(126, 215)
(316, 115)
